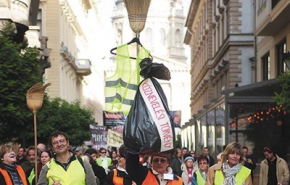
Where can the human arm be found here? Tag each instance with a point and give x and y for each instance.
(210, 177)
(249, 180)
(109, 179)
(90, 176)
(136, 171)
(42, 180)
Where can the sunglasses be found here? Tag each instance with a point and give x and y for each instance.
(192, 153)
(156, 160)
(102, 152)
(203, 163)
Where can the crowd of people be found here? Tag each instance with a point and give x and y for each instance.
(60, 164)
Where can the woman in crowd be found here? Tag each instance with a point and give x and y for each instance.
(159, 174)
(45, 157)
(119, 176)
(188, 170)
(230, 171)
(199, 176)
(147, 161)
(100, 173)
(10, 172)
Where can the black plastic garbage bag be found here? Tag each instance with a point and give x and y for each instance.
(149, 128)
(149, 69)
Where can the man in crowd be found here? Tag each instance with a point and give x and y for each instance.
(103, 160)
(21, 157)
(176, 161)
(65, 167)
(209, 157)
(249, 162)
(29, 164)
(273, 169)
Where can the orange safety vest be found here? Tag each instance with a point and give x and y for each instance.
(151, 179)
(7, 177)
(118, 180)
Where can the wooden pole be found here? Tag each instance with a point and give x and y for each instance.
(35, 147)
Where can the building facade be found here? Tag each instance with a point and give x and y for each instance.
(73, 44)
(237, 52)
(162, 37)
(221, 37)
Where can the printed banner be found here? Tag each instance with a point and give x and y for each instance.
(113, 119)
(158, 113)
(99, 136)
(114, 139)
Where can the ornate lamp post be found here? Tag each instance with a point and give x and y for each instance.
(34, 99)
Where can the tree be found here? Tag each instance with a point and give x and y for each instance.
(59, 115)
(19, 70)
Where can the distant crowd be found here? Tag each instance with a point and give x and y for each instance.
(61, 164)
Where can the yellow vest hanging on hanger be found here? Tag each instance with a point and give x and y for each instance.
(121, 88)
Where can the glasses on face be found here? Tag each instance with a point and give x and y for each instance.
(157, 160)
(192, 153)
(204, 163)
(102, 152)
(61, 141)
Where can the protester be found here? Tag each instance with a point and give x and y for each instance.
(192, 153)
(119, 176)
(210, 158)
(10, 172)
(45, 156)
(160, 173)
(273, 169)
(249, 161)
(41, 147)
(199, 176)
(230, 171)
(94, 153)
(188, 170)
(176, 162)
(21, 157)
(103, 160)
(78, 151)
(65, 167)
(30, 163)
(147, 161)
(100, 173)
(114, 158)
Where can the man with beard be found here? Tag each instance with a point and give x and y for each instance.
(29, 164)
(65, 168)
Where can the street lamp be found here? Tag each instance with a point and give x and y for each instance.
(286, 59)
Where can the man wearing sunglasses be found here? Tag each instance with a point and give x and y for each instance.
(159, 174)
(65, 168)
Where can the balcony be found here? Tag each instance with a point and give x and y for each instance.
(273, 17)
(83, 67)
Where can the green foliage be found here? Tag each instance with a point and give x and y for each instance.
(70, 118)
(19, 70)
(283, 99)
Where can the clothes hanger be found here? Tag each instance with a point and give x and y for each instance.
(134, 40)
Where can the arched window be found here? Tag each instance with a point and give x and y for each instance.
(177, 37)
(148, 36)
(162, 37)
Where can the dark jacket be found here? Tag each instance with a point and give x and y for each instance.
(120, 173)
(250, 166)
(175, 164)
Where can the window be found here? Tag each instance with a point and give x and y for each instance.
(266, 67)
(281, 66)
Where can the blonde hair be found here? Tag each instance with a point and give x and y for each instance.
(232, 148)
(5, 149)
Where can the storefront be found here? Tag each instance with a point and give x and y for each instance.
(246, 115)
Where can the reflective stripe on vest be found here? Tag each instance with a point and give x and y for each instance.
(199, 178)
(7, 177)
(240, 177)
(151, 179)
(121, 88)
(75, 173)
